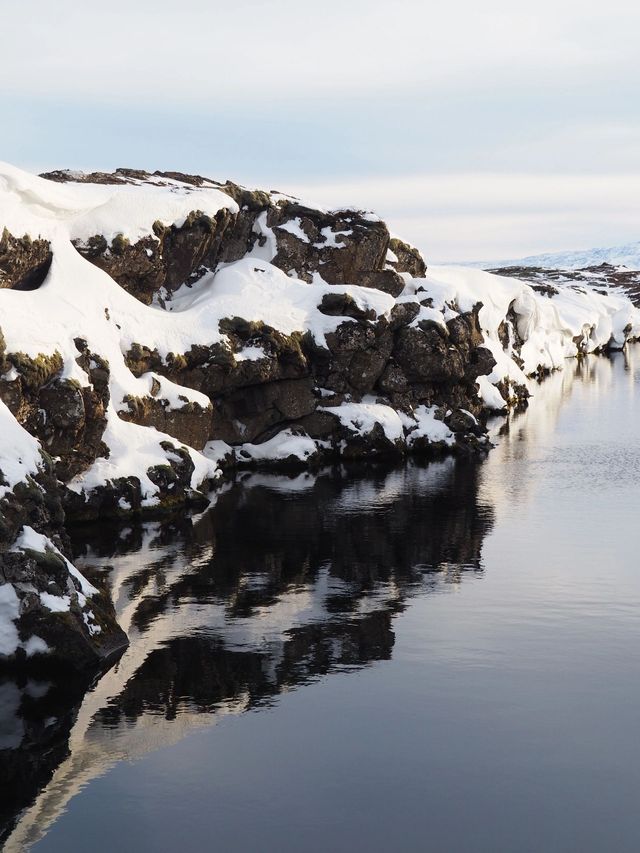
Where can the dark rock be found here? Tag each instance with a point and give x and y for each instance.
(462, 421)
(357, 355)
(464, 330)
(343, 305)
(341, 246)
(85, 635)
(409, 259)
(480, 363)
(425, 355)
(319, 425)
(393, 380)
(386, 280)
(244, 415)
(24, 262)
(67, 418)
(191, 423)
(176, 255)
(403, 313)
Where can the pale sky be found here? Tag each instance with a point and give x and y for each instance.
(477, 130)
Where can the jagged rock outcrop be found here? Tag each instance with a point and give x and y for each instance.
(162, 262)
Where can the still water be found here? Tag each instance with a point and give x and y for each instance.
(433, 658)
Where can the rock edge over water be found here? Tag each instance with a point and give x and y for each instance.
(160, 331)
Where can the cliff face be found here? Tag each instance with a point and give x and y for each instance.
(159, 329)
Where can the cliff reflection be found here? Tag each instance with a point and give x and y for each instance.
(281, 582)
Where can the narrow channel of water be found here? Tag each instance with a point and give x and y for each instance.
(433, 658)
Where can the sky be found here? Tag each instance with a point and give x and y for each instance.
(479, 131)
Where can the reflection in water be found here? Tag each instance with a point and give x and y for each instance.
(36, 717)
(281, 582)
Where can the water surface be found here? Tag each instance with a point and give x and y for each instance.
(439, 657)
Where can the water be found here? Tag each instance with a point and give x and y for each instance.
(432, 658)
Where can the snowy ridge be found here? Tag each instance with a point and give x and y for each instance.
(128, 210)
(307, 340)
(627, 256)
(80, 300)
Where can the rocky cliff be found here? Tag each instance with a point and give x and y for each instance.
(161, 330)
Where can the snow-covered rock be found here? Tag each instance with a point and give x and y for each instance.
(250, 310)
(46, 605)
(158, 328)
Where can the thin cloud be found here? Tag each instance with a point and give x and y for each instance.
(206, 52)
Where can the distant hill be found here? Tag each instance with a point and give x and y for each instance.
(627, 256)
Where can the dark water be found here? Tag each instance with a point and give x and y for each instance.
(436, 658)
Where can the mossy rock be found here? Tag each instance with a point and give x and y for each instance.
(38, 371)
(119, 244)
(47, 559)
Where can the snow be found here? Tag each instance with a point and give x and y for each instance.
(31, 540)
(135, 449)
(492, 398)
(35, 646)
(109, 210)
(294, 227)
(257, 291)
(250, 354)
(427, 314)
(623, 256)
(172, 395)
(282, 446)
(19, 452)
(428, 427)
(215, 451)
(55, 603)
(9, 612)
(361, 418)
(330, 238)
(88, 617)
